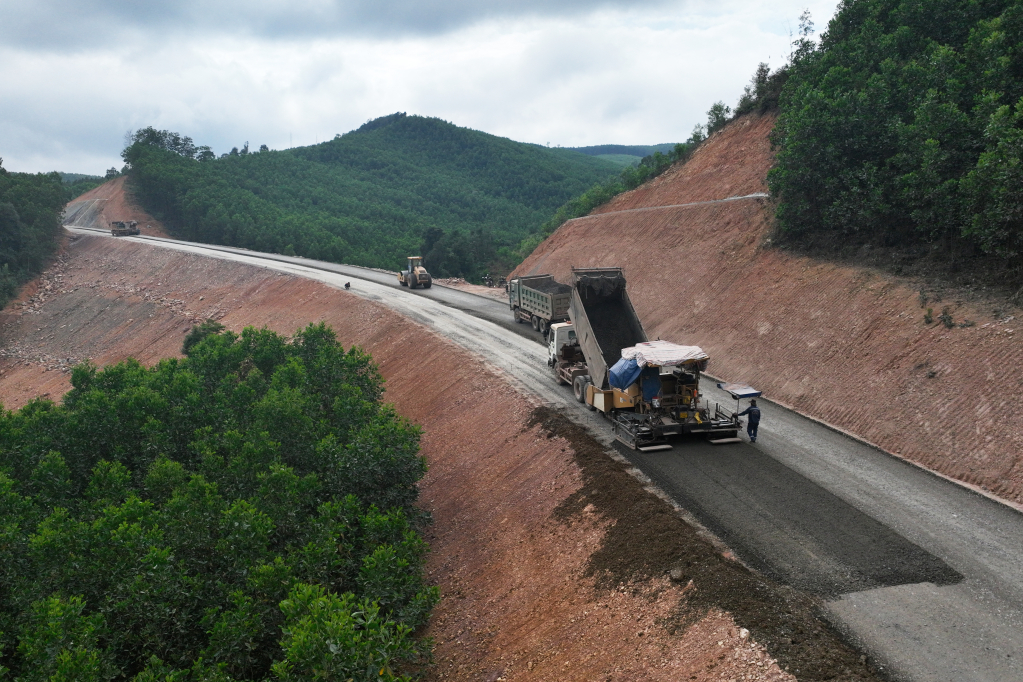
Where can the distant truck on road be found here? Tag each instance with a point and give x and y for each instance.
(124, 228)
(650, 390)
(539, 300)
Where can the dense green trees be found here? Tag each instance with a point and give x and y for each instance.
(245, 513)
(395, 187)
(30, 214)
(904, 128)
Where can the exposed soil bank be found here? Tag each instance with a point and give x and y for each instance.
(109, 202)
(551, 559)
(845, 345)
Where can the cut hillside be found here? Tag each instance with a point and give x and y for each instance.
(849, 346)
(109, 202)
(551, 559)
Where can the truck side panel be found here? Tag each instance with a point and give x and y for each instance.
(540, 295)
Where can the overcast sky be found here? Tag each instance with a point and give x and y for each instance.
(75, 75)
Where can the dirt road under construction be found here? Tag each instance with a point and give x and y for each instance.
(923, 575)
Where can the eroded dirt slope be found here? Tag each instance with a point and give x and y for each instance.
(109, 202)
(845, 345)
(552, 560)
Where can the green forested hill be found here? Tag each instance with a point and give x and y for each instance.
(904, 128)
(397, 185)
(30, 212)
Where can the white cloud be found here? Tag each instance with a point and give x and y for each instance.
(637, 76)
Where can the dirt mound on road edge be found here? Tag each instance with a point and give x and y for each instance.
(522, 549)
(847, 346)
(648, 540)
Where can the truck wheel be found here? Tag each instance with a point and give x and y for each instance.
(542, 326)
(412, 283)
(535, 321)
(428, 284)
(579, 388)
(557, 377)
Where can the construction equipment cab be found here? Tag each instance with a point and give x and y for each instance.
(415, 274)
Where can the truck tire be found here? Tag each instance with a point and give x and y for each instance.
(412, 282)
(557, 377)
(535, 321)
(542, 326)
(427, 284)
(579, 388)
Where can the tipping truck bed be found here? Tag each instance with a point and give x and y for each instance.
(604, 319)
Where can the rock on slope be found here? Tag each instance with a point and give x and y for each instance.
(846, 345)
(513, 531)
(109, 202)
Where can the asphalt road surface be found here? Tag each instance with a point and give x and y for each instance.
(926, 575)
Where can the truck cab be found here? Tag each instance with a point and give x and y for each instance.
(561, 334)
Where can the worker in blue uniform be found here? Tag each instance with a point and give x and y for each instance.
(754, 420)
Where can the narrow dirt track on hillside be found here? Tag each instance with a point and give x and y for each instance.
(535, 541)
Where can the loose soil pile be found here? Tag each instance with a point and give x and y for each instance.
(553, 562)
(847, 345)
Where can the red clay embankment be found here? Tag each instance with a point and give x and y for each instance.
(100, 206)
(845, 345)
(511, 562)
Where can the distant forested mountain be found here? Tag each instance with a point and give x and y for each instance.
(30, 213)
(625, 149)
(624, 154)
(397, 186)
(904, 129)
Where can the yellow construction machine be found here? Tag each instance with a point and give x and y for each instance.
(415, 274)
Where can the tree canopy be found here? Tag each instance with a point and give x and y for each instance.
(905, 127)
(245, 513)
(31, 206)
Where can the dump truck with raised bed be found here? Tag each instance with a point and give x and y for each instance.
(415, 275)
(124, 228)
(650, 390)
(539, 300)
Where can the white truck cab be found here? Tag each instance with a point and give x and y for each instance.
(560, 334)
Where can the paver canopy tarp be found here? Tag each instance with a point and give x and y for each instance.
(665, 354)
(624, 373)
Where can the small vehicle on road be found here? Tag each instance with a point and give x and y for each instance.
(124, 228)
(415, 275)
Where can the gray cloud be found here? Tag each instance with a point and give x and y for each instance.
(67, 25)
